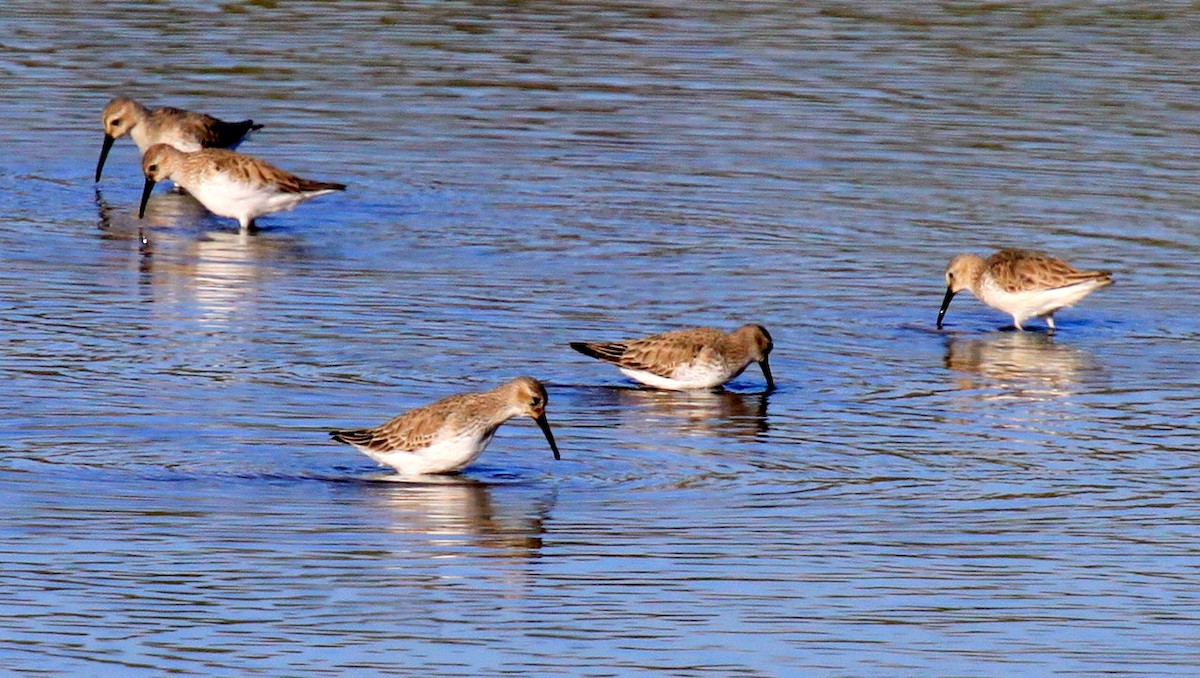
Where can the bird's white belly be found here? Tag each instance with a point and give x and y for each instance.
(240, 200)
(443, 456)
(1033, 303)
(692, 376)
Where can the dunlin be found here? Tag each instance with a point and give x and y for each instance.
(699, 357)
(449, 434)
(185, 130)
(1020, 283)
(229, 183)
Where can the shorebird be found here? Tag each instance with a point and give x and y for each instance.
(1021, 283)
(185, 130)
(699, 357)
(228, 183)
(449, 434)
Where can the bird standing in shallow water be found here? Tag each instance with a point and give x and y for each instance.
(699, 357)
(228, 183)
(185, 130)
(1021, 283)
(449, 434)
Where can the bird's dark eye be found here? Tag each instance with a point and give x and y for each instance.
(116, 121)
(152, 168)
(537, 400)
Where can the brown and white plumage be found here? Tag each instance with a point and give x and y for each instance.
(449, 434)
(1021, 283)
(229, 183)
(699, 357)
(184, 130)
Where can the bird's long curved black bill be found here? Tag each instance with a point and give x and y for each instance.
(766, 369)
(545, 426)
(945, 305)
(145, 197)
(108, 142)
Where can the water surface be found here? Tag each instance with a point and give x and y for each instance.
(908, 502)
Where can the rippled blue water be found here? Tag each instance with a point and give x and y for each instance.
(909, 502)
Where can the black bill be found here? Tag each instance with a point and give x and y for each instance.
(145, 197)
(108, 142)
(945, 305)
(545, 426)
(766, 370)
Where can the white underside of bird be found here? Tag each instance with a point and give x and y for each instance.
(443, 455)
(1033, 304)
(245, 201)
(695, 375)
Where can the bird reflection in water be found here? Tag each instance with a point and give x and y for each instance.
(503, 521)
(167, 211)
(1023, 364)
(700, 412)
(187, 256)
(115, 227)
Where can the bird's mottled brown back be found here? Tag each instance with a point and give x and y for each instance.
(412, 430)
(198, 126)
(253, 171)
(1018, 270)
(661, 354)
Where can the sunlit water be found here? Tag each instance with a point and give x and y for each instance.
(909, 502)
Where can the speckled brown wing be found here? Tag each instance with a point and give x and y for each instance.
(310, 186)
(659, 354)
(1020, 270)
(223, 134)
(198, 126)
(257, 172)
(607, 351)
(407, 432)
(208, 131)
(220, 160)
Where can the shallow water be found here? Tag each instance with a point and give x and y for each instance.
(908, 502)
